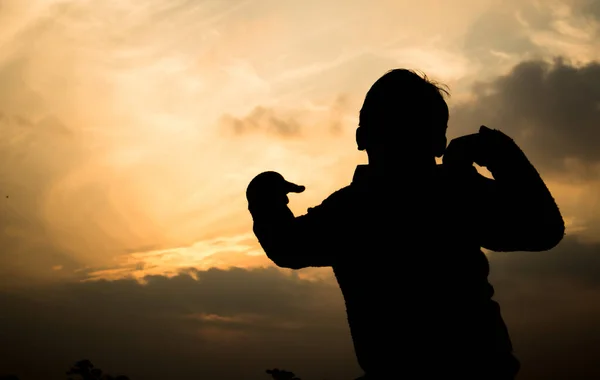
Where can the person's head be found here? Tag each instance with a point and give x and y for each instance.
(403, 119)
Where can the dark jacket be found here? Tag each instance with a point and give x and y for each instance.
(406, 253)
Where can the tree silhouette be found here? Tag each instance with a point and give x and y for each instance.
(281, 374)
(86, 371)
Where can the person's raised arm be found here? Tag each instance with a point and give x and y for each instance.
(291, 242)
(516, 210)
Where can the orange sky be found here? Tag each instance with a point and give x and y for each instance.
(130, 129)
(119, 153)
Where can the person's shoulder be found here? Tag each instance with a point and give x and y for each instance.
(340, 196)
(339, 199)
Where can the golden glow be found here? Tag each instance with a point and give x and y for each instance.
(128, 164)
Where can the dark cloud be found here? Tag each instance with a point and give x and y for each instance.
(573, 261)
(224, 324)
(551, 109)
(236, 323)
(587, 8)
(262, 119)
(550, 302)
(292, 122)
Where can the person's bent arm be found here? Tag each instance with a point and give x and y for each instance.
(296, 242)
(518, 212)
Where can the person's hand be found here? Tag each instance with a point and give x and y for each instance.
(489, 146)
(462, 152)
(270, 188)
(495, 148)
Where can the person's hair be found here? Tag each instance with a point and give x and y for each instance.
(402, 94)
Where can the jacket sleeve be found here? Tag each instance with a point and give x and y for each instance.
(309, 240)
(516, 210)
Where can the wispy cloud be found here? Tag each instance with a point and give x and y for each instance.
(261, 120)
(221, 252)
(112, 113)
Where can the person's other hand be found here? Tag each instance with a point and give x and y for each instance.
(270, 187)
(484, 148)
(495, 147)
(462, 151)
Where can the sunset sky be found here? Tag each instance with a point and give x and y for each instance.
(130, 130)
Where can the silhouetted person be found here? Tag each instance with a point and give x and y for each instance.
(404, 238)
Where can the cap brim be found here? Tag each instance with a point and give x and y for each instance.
(293, 188)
